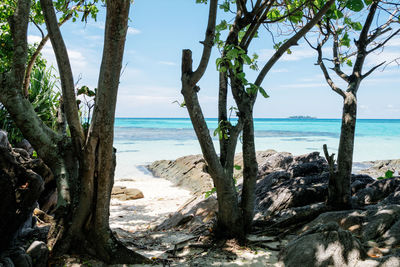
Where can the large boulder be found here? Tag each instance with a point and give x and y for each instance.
(323, 245)
(122, 193)
(189, 172)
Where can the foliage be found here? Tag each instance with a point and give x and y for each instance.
(44, 96)
(388, 175)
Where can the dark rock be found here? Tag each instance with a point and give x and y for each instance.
(380, 223)
(393, 198)
(306, 169)
(39, 253)
(21, 259)
(323, 245)
(377, 191)
(379, 220)
(277, 161)
(22, 153)
(24, 144)
(392, 236)
(20, 189)
(4, 140)
(195, 212)
(272, 197)
(6, 262)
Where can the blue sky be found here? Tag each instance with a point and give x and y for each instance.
(150, 82)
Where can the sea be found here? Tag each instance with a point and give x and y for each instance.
(140, 141)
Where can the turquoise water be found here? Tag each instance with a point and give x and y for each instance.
(161, 127)
(143, 140)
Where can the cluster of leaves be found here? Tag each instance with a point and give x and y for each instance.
(44, 95)
(348, 24)
(233, 60)
(388, 175)
(223, 130)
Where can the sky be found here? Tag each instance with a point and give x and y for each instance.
(150, 81)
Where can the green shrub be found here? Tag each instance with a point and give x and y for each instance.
(44, 95)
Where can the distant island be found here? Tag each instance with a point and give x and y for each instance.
(301, 117)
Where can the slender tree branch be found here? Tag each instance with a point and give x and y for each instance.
(330, 159)
(372, 70)
(384, 42)
(336, 60)
(38, 27)
(326, 73)
(208, 43)
(67, 81)
(33, 58)
(292, 41)
(252, 30)
(362, 41)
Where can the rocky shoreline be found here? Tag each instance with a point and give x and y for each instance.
(291, 223)
(291, 194)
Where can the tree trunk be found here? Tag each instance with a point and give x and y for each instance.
(222, 114)
(250, 169)
(339, 183)
(89, 231)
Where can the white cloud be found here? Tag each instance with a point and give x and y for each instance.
(279, 70)
(94, 37)
(34, 39)
(385, 56)
(168, 63)
(297, 54)
(304, 85)
(133, 31)
(395, 42)
(149, 91)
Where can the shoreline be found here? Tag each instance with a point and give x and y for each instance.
(137, 222)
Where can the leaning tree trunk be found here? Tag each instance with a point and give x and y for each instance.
(339, 192)
(229, 217)
(89, 231)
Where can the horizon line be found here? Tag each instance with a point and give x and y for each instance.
(312, 118)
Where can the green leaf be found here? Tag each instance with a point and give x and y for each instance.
(209, 193)
(345, 40)
(225, 6)
(273, 14)
(357, 26)
(237, 167)
(355, 5)
(389, 174)
(246, 59)
(368, 2)
(349, 63)
(263, 93)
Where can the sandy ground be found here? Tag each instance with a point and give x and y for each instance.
(134, 221)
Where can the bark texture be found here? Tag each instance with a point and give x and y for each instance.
(83, 166)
